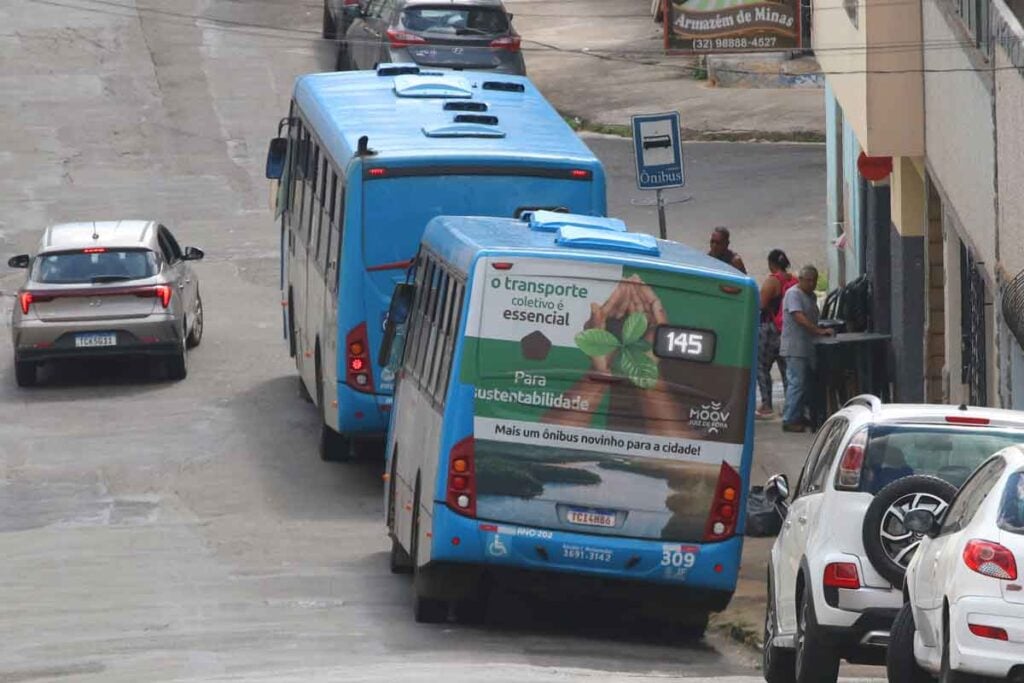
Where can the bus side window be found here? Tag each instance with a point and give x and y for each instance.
(424, 273)
(458, 291)
(321, 222)
(339, 228)
(332, 228)
(436, 323)
(301, 169)
(311, 217)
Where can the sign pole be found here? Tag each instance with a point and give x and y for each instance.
(662, 230)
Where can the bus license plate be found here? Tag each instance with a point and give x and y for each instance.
(86, 341)
(603, 518)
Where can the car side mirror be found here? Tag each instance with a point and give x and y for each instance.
(398, 315)
(776, 492)
(19, 261)
(192, 254)
(921, 522)
(276, 156)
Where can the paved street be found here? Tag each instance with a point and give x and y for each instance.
(153, 530)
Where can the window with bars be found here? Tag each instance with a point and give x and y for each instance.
(975, 14)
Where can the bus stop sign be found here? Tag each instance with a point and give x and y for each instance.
(659, 153)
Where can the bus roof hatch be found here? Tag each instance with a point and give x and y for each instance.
(589, 238)
(443, 86)
(552, 221)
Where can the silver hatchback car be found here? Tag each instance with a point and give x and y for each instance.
(107, 288)
(464, 34)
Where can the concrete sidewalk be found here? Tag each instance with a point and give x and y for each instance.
(602, 61)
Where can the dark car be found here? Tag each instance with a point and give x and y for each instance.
(337, 20)
(469, 34)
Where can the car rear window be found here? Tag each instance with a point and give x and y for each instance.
(455, 20)
(1011, 513)
(950, 453)
(95, 266)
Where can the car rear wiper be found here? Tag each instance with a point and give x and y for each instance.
(102, 279)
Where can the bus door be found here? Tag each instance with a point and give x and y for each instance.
(609, 399)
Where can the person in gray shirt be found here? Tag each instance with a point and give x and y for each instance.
(799, 328)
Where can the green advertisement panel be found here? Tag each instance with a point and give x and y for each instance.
(605, 396)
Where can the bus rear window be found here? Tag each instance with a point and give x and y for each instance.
(95, 266)
(951, 454)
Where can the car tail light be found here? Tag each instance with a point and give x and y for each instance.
(162, 292)
(990, 559)
(462, 478)
(26, 299)
(993, 632)
(95, 250)
(842, 575)
(510, 43)
(725, 505)
(399, 38)
(357, 360)
(848, 475)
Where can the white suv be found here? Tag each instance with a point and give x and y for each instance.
(836, 568)
(965, 615)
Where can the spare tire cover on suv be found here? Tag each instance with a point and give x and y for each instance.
(888, 544)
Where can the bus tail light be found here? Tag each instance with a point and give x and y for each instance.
(848, 476)
(461, 495)
(725, 505)
(358, 372)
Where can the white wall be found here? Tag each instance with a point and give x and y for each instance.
(1010, 132)
(959, 130)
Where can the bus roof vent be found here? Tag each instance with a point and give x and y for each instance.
(482, 119)
(465, 106)
(464, 130)
(504, 86)
(418, 85)
(553, 221)
(397, 69)
(589, 238)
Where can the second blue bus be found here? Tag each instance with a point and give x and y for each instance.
(574, 412)
(364, 160)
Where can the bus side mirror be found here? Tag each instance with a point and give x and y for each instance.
(19, 261)
(276, 156)
(398, 316)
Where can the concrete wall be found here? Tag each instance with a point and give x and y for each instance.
(1010, 134)
(885, 110)
(959, 129)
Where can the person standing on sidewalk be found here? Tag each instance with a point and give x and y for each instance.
(721, 251)
(778, 282)
(799, 328)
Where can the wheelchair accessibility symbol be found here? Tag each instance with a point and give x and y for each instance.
(496, 548)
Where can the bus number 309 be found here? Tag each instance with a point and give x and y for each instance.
(677, 558)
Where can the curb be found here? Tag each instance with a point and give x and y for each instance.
(579, 124)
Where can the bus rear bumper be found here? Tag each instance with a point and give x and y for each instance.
(567, 564)
(362, 414)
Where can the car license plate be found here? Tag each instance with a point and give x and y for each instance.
(88, 341)
(586, 517)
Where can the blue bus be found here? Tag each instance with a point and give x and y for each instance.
(363, 161)
(574, 411)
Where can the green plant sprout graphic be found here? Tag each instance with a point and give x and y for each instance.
(633, 359)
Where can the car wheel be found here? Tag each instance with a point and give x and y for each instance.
(25, 373)
(778, 664)
(816, 658)
(329, 29)
(426, 610)
(888, 544)
(177, 364)
(196, 335)
(900, 663)
(333, 447)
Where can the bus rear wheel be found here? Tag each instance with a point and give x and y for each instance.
(426, 610)
(334, 447)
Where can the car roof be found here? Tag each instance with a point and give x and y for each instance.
(931, 413)
(111, 234)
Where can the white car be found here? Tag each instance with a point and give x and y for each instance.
(964, 619)
(835, 575)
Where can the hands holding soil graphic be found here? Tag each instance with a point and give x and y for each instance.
(619, 338)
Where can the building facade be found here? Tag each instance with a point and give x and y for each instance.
(938, 86)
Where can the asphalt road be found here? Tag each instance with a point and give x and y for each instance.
(152, 530)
